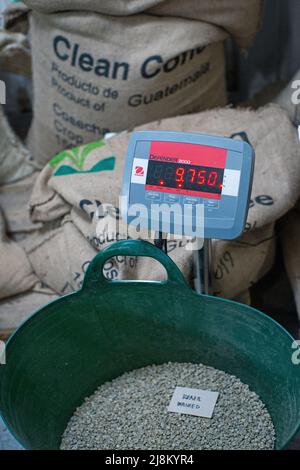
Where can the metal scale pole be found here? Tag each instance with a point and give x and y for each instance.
(202, 264)
(202, 268)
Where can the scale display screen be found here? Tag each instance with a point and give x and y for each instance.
(186, 179)
(169, 176)
(188, 169)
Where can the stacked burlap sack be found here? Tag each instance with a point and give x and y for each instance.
(21, 291)
(79, 190)
(112, 67)
(75, 206)
(103, 66)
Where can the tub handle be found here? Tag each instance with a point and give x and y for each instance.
(94, 275)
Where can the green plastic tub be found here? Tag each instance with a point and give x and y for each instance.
(67, 349)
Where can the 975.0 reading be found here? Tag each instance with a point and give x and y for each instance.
(184, 177)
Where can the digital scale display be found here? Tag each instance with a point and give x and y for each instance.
(188, 169)
(186, 179)
(190, 184)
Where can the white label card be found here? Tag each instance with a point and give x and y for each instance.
(192, 401)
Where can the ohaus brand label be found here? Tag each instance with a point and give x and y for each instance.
(95, 74)
(139, 171)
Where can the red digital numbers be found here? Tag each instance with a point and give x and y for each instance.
(193, 174)
(201, 177)
(185, 178)
(180, 175)
(212, 178)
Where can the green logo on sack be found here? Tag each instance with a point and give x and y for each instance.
(107, 164)
(77, 156)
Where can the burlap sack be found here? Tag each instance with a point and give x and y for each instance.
(16, 274)
(85, 183)
(17, 176)
(95, 74)
(14, 200)
(244, 298)
(237, 266)
(239, 18)
(16, 18)
(276, 185)
(60, 257)
(14, 54)
(15, 160)
(268, 129)
(290, 238)
(16, 309)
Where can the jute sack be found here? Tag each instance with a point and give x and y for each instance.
(83, 186)
(240, 19)
(290, 238)
(89, 177)
(14, 200)
(95, 74)
(276, 184)
(15, 54)
(16, 18)
(17, 176)
(60, 257)
(16, 309)
(16, 273)
(15, 162)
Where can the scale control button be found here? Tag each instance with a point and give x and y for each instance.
(153, 196)
(192, 200)
(211, 204)
(172, 198)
